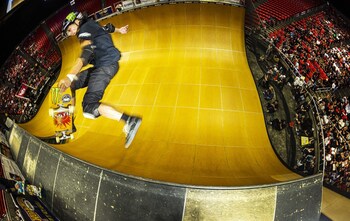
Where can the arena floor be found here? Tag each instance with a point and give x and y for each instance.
(184, 70)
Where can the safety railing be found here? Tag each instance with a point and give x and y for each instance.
(258, 37)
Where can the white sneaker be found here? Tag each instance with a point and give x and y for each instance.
(130, 129)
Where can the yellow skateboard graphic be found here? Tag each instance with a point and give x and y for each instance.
(62, 112)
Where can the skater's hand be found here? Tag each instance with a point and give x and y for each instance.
(64, 84)
(123, 30)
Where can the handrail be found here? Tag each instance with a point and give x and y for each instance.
(239, 3)
(307, 91)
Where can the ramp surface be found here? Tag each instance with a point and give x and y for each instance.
(184, 70)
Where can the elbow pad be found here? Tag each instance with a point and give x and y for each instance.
(109, 28)
(87, 53)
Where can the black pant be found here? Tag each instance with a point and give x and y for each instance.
(96, 80)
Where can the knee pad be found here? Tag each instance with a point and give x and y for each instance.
(90, 111)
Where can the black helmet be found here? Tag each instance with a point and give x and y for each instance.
(71, 17)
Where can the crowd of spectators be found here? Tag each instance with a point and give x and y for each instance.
(274, 73)
(16, 107)
(316, 47)
(40, 48)
(319, 49)
(300, 123)
(335, 124)
(18, 70)
(24, 75)
(304, 128)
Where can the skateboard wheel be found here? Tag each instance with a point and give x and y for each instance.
(58, 139)
(51, 112)
(71, 109)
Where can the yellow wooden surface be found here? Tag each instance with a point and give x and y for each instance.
(184, 70)
(335, 206)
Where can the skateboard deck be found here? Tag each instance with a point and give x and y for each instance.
(62, 112)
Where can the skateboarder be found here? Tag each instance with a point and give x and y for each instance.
(97, 49)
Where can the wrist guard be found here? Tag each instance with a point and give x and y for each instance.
(109, 28)
(72, 77)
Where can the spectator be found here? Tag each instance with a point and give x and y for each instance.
(278, 124)
(272, 106)
(269, 93)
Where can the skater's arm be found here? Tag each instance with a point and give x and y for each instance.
(112, 29)
(122, 30)
(87, 51)
(79, 64)
(67, 81)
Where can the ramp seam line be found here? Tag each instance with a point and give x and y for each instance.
(274, 208)
(97, 194)
(25, 154)
(185, 201)
(36, 160)
(54, 182)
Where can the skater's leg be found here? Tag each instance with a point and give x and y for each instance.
(109, 112)
(92, 108)
(98, 82)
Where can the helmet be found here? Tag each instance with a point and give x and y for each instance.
(71, 17)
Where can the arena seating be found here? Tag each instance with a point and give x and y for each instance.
(303, 39)
(319, 48)
(89, 7)
(41, 49)
(55, 21)
(272, 8)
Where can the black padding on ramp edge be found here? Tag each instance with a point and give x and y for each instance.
(124, 198)
(324, 218)
(299, 200)
(30, 160)
(23, 148)
(47, 162)
(75, 190)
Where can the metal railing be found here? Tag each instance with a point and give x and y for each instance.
(263, 40)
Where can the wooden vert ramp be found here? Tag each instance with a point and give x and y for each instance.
(184, 70)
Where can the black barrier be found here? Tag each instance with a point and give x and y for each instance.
(76, 190)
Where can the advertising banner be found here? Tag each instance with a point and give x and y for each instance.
(127, 4)
(22, 91)
(10, 169)
(32, 208)
(143, 2)
(3, 139)
(104, 12)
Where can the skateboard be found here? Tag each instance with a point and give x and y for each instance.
(24, 189)
(62, 111)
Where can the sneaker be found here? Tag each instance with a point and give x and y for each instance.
(130, 129)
